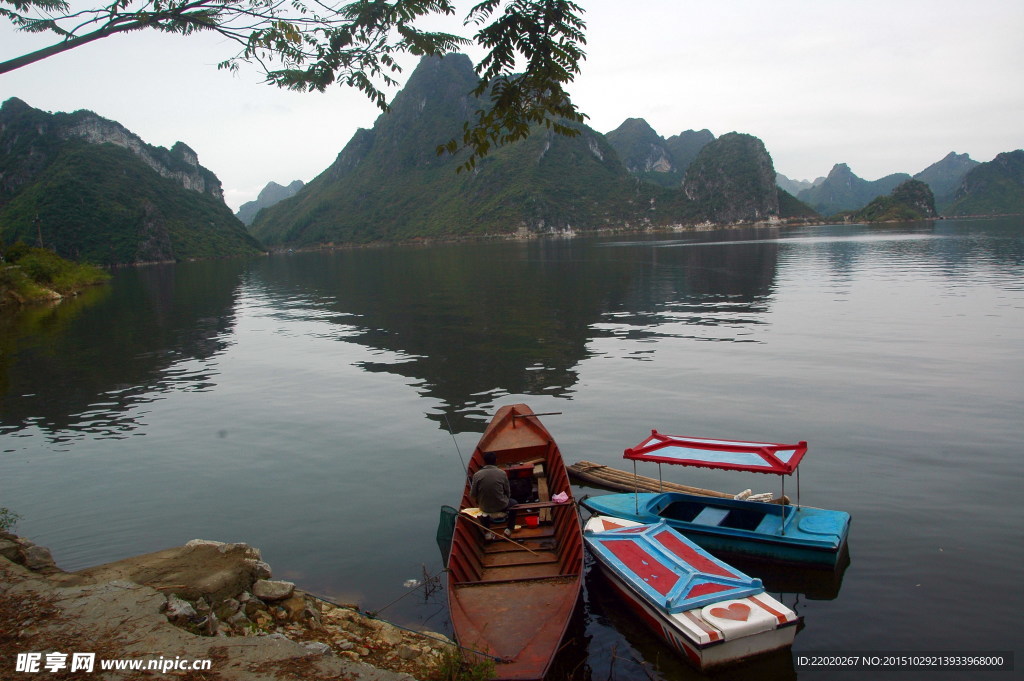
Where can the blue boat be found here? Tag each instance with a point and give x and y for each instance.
(796, 534)
(789, 533)
(708, 611)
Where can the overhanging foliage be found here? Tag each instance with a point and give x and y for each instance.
(534, 48)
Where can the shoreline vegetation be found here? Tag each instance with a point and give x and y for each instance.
(31, 275)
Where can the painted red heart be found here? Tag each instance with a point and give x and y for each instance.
(737, 611)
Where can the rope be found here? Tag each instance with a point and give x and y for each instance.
(426, 580)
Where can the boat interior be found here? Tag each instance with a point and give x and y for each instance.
(545, 543)
(702, 513)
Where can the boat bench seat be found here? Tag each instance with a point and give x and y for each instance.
(711, 516)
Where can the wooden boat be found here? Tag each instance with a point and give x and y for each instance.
(708, 611)
(511, 599)
(797, 534)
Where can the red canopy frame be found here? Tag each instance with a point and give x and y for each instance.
(755, 457)
(735, 455)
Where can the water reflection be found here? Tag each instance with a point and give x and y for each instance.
(87, 366)
(813, 582)
(465, 325)
(621, 647)
(293, 387)
(470, 324)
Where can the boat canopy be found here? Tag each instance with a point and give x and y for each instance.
(756, 457)
(671, 571)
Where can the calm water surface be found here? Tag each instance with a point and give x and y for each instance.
(300, 403)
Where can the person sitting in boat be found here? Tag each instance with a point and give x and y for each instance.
(492, 493)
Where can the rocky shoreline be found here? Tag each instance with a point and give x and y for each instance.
(202, 601)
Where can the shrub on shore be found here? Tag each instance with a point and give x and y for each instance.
(29, 274)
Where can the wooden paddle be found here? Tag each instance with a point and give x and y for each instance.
(500, 536)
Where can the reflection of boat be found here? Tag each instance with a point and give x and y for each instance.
(512, 599)
(816, 582)
(708, 611)
(796, 534)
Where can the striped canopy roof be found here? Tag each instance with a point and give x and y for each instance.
(756, 457)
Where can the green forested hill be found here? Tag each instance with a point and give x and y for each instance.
(733, 177)
(644, 153)
(389, 184)
(912, 200)
(90, 190)
(992, 188)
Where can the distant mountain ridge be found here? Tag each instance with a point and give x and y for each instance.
(389, 184)
(843, 191)
(90, 189)
(794, 187)
(649, 156)
(268, 196)
(992, 188)
(945, 177)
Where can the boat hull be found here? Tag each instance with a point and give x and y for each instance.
(708, 611)
(511, 600)
(702, 657)
(804, 535)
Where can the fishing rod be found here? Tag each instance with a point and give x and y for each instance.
(452, 433)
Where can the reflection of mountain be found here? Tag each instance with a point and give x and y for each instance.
(468, 324)
(475, 322)
(83, 369)
(698, 290)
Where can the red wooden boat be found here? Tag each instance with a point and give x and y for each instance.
(511, 599)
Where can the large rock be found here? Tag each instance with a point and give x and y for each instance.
(122, 618)
(273, 590)
(179, 610)
(22, 551)
(209, 570)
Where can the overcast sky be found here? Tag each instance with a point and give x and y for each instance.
(883, 86)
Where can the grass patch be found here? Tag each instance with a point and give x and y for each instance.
(457, 666)
(36, 274)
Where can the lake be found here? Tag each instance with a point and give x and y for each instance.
(302, 403)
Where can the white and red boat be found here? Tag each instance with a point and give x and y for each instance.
(710, 612)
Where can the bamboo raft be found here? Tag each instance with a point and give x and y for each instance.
(623, 481)
(611, 478)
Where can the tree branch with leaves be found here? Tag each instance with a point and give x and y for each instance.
(534, 48)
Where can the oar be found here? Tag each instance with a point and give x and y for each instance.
(501, 536)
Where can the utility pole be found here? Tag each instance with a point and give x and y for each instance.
(39, 231)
